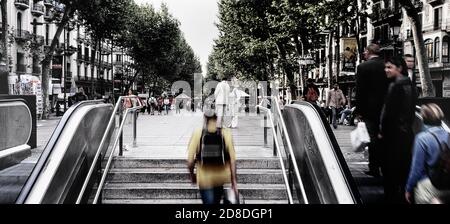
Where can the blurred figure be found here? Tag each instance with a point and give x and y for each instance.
(211, 177)
(410, 63)
(335, 101)
(371, 88)
(221, 94)
(396, 130)
(234, 107)
(311, 92)
(427, 148)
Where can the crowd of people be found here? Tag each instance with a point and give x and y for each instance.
(386, 97)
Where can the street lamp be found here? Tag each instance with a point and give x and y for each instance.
(395, 29)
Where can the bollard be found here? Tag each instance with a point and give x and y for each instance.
(121, 135)
(134, 128)
(265, 130)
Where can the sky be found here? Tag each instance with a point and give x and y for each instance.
(197, 18)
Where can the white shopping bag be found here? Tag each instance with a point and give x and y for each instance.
(360, 137)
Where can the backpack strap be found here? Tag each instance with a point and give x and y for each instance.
(441, 148)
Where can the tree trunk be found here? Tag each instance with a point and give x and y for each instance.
(422, 58)
(48, 58)
(4, 61)
(338, 53)
(287, 70)
(93, 91)
(330, 59)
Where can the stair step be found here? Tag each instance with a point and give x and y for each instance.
(182, 201)
(250, 163)
(186, 191)
(178, 175)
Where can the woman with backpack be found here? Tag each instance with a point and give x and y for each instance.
(428, 146)
(211, 150)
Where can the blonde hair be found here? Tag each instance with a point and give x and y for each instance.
(431, 114)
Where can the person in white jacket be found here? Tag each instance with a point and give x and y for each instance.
(221, 95)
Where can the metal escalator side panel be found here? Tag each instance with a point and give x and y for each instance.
(72, 114)
(327, 170)
(16, 122)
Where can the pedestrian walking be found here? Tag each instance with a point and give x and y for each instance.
(166, 104)
(211, 151)
(371, 88)
(221, 94)
(396, 130)
(234, 107)
(335, 101)
(428, 146)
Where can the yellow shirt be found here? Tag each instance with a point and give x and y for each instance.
(209, 176)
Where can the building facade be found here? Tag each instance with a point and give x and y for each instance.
(32, 25)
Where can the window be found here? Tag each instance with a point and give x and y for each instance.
(437, 18)
(19, 23)
(445, 58)
(436, 49)
(429, 47)
(118, 58)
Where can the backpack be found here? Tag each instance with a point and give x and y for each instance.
(439, 173)
(212, 149)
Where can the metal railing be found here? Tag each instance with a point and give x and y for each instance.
(275, 106)
(118, 138)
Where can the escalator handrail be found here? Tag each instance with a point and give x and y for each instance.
(102, 143)
(49, 148)
(288, 140)
(337, 152)
(286, 182)
(116, 141)
(291, 151)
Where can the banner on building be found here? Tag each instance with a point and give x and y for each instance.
(349, 54)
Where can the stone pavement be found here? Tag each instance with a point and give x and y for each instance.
(370, 188)
(45, 130)
(167, 136)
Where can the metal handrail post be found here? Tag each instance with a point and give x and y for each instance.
(120, 135)
(134, 128)
(265, 130)
(285, 178)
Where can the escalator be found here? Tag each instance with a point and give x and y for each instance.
(310, 155)
(64, 162)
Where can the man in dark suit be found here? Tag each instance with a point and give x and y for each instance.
(371, 88)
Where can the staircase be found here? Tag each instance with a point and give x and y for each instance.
(166, 181)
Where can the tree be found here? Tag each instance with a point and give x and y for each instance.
(422, 58)
(104, 20)
(4, 62)
(67, 8)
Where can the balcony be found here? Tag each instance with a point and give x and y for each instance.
(38, 39)
(385, 16)
(48, 3)
(22, 4)
(21, 68)
(118, 63)
(87, 59)
(38, 10)
(435, 2)
(49, 15)
(22, 35)
(418, 4)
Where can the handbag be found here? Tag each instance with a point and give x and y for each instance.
(230, 197)
(360, 137)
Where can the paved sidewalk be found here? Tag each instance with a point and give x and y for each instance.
(167, 136)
